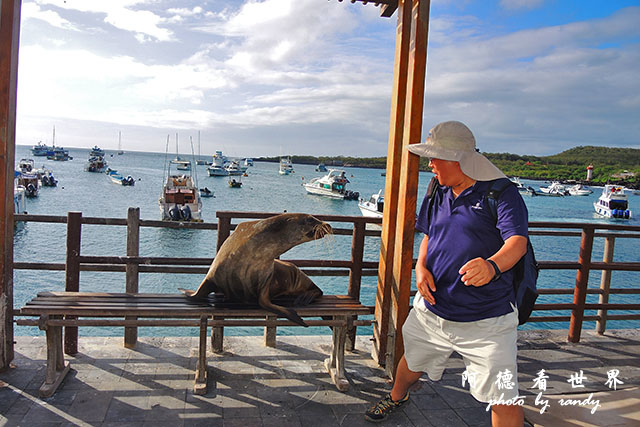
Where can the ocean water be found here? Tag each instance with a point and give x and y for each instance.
(264, 190)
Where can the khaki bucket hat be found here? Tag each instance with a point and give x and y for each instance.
(454, 141)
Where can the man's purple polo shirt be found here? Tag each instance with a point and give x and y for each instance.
(462, 229)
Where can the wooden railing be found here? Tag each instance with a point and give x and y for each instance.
(355, 267)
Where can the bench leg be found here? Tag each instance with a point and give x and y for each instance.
(200, 384)
(335, 363)
(270, 332)
(217, 337)
(57, 368)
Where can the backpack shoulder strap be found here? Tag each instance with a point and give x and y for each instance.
(493, 194)
(431, 190)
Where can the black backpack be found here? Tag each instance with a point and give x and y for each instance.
(525, 272)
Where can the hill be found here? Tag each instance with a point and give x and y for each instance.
(609, 164)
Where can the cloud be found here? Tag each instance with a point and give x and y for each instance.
(122, 14)
(555, 86)
(521, 4)
(33, 11)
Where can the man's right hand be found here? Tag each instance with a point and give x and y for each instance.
(426, 284)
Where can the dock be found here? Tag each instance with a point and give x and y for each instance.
(253, 385)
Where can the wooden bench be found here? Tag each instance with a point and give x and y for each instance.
(58, 309)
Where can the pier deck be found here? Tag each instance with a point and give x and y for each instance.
(253, 385)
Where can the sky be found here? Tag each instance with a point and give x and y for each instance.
(314, 77)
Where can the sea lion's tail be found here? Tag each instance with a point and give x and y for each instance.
(265, 302)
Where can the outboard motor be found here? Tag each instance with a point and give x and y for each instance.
(31, 190)
(186, 213)
(174, 213)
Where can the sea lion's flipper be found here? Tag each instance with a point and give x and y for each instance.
(187, 292)
(265, 302)
(206, 287)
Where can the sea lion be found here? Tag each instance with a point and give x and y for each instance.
(246, 269)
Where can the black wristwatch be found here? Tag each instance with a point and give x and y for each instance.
(497, 270)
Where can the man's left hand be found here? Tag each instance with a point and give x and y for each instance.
(477, 272)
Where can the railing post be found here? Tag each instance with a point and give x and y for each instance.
(133, 250)
(224, 229)
(582, 281)
(72, 275)
(355, 275)
(605, 283)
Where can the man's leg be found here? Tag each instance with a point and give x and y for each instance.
(507, 416)
(404, 379)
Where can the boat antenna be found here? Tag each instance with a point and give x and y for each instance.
(193, 163)
(165, 172)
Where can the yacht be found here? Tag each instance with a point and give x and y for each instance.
(286, 167)
(96, 152)
(181, 165)
(579, 190)
(373, 207)
(59, 154)
(234, 168)
(41, 149)
(332, 185)
(555, 189)
(217, 165)
(613, 203)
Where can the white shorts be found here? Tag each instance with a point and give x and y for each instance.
(488, 348)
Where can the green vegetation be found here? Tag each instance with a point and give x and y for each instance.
(609, 164)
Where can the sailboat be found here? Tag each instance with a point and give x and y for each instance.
(120, 152)
(200, 160)
(182, 165)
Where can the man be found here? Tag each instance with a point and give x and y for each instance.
(465, 300)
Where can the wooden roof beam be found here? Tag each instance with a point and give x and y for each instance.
(387, 7)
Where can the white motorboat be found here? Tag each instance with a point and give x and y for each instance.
(233, 168)
(117, 178)
(286, 167)
(217, 165)
(373, 207)
(180, 198)
(181, 165)
(19, 196)
(555, 190)
(45, 175)
(30, 182)
(579, 190)
(613, 203)
(332, 185)
(26, 165)
(522, 189)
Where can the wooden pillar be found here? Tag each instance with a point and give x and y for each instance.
(582, 281)
(9, 40)
(408, 191)
(72, 273)
(392, 184)
(133, 250)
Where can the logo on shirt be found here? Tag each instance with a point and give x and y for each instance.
(478, 205)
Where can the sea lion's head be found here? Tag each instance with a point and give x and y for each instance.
(297, 227)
